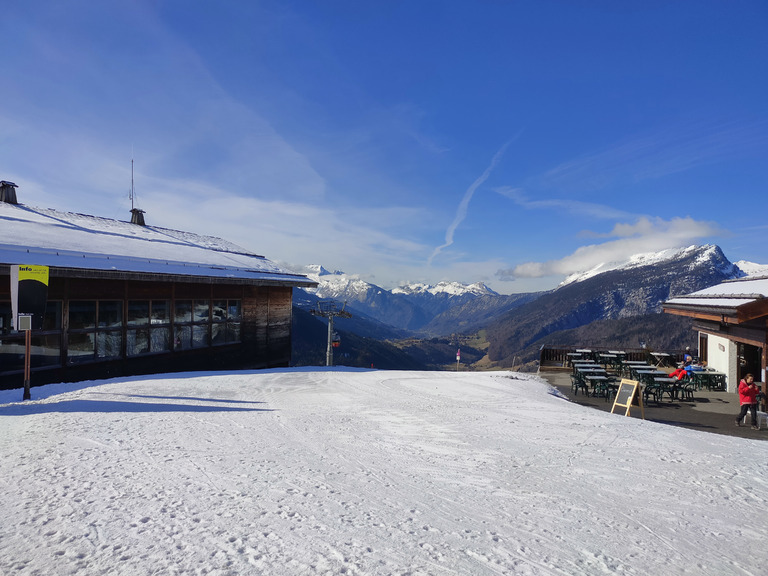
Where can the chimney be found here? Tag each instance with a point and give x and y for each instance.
(137, 216)
(8, 192)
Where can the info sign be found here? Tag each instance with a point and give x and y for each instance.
(629, 393)
(29, 293)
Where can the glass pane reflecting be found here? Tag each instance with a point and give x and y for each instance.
(234, 310)
(138, 312)
(182, 338)
(161, 311)
(160, 339)
(136, 342)
(218, 333)
(52, 319)
(110, 313)
(202, 313)
(183, 311)
(199, 336)
(81, 348)
(45, 351)
(109, 344)
(219, 312)
(12, 349)
(82, 315)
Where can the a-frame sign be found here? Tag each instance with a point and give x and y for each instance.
(629, 392)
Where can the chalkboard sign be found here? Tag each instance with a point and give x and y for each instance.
(627, 394)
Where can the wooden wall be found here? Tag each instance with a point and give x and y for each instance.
(266, 326)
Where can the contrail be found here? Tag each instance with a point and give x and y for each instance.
(461, 212)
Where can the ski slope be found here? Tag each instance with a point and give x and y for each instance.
(365, 472)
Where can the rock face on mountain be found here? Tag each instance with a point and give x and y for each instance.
(635, 289)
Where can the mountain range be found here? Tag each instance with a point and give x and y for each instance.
(619, 302)
(413, 309)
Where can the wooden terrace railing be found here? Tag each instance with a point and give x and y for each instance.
(557, 356)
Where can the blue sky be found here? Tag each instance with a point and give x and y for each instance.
(509, 142)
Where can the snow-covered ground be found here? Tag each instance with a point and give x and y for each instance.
(365, 472)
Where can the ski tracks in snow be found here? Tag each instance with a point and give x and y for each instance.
(367, 472)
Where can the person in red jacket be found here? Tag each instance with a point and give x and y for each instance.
(748, 399)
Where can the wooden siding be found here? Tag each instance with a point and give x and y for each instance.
(266, 324)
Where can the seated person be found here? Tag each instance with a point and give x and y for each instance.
(681, 372)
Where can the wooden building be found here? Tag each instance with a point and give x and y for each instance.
(732, 322)
(126, 299)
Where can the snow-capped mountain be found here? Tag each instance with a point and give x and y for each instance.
(339, 286)
(411, 307)
(614, 290)
(362, 297)
(448, 288)
(752, 269)
(629, 291)
(701, 253)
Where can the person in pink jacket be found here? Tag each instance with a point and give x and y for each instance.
(748, 391)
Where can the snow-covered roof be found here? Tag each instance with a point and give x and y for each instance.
(78, 241)
(727, 298)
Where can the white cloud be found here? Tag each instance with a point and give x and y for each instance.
(461, 211)
(363, 239)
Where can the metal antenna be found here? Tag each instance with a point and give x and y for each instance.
(132, 191)
(330, 309)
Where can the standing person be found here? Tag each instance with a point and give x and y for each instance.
(748, 399)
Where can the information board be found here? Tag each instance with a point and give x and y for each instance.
(29, 292)
(628, 393)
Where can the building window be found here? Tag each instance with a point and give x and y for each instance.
(138, 313)
(103, 330)
(182, 311)
(82, 315)
(225, 323)
(110, 314)
(203, 323)
(95, 330)
(149, 327)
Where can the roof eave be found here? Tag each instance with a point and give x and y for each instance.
(725, 315)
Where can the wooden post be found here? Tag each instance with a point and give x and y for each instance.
(27, 364)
